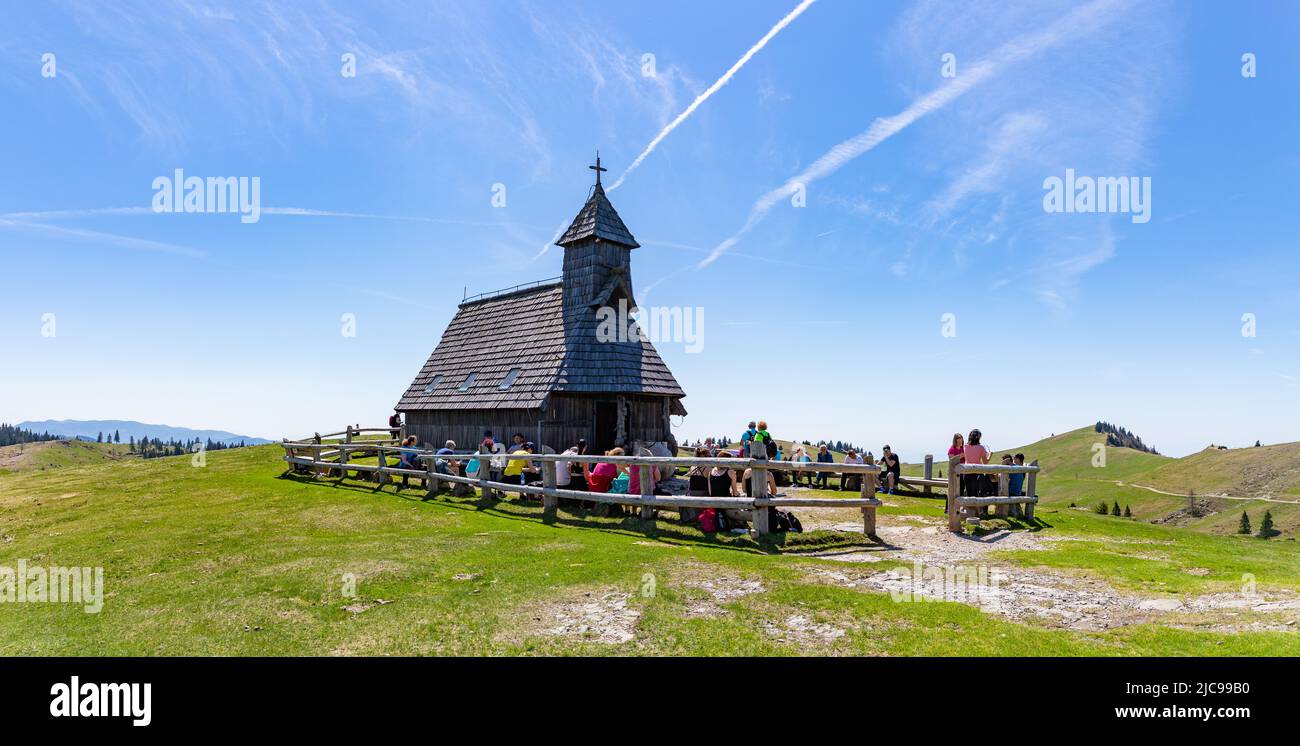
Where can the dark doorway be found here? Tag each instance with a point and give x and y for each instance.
(602, 437)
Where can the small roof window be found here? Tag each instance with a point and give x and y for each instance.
(433, 384)
(469, 381)
(509, 379)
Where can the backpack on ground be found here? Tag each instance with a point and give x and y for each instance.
(795, 525)
(782, 520)
(708, 520)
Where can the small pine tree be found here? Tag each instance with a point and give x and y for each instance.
(1244, 526)
(117, 436)
(1127, 513)
(1266, 526)
(1101, 509)
(1115, 509)
(99, 438)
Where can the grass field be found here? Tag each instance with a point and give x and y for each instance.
(231, 559)
(58, 454)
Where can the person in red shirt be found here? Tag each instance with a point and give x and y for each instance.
(599, 479)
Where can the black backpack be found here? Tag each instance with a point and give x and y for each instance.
(781, 520)
(771, 448)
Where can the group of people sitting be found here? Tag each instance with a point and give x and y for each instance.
(710, 481)
(970, 450)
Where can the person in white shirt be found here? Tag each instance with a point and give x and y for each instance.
(562, 474)
(852, 481)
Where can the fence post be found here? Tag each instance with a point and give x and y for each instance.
(954, 493)
(929, 472)
(1004, 489)
(647, 492)
(758, 486)
(431, 464)
(343, 462)
(550, 501)
(380, 476)
(484, 471)
(347, 438)
(1031, 489)
(869, 511)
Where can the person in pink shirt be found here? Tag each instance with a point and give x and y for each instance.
(975, 453)
(958, 446)
(634, 475)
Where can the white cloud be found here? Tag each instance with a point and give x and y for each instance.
(1071, 26)
(717, 86)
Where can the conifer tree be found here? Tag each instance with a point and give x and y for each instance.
(1244, 526)
(1266, 526)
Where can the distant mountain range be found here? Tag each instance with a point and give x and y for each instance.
(90, 429)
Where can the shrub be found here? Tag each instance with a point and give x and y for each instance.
(1127, 513)
(1101, 509)
(1115, 509)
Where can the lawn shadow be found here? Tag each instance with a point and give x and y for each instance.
(630, 524)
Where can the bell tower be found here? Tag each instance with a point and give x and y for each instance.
(597, 255)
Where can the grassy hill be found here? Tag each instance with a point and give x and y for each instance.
(57, 454)
(1137, 479)
(1272, 470)
(232, 559)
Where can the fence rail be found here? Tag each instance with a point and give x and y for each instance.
(325, 459)
(965, 507)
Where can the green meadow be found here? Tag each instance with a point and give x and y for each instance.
(236, 559)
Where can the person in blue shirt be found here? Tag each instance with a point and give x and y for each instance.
(410, 459)
(442, 465)
(824, 457)
(746, 438)
(1016, 482)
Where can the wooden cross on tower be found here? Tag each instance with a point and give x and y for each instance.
(597, 168)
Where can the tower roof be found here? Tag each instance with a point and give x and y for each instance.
(598, 218)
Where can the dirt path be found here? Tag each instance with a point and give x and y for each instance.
(954, 567)
(1220, 496)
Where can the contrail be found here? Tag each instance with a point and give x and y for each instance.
(726, 77)
(1078, 22)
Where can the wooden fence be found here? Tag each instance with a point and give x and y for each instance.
(323, 458)
(961, 507)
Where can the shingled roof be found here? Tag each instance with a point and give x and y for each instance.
(598, 218)
(527, 330)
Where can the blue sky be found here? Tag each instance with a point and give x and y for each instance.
(924, 197)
